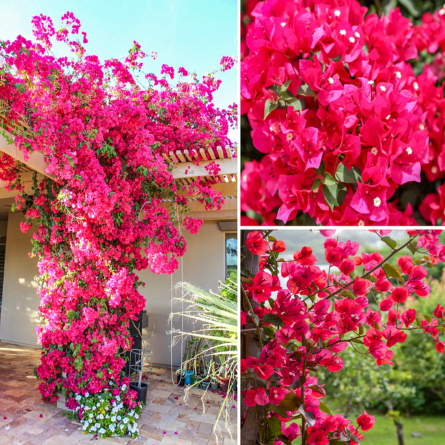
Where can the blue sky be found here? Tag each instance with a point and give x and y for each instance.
(194, 34)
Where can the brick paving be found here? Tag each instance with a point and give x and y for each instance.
(165, 420)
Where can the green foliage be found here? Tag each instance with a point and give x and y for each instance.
(414, 385)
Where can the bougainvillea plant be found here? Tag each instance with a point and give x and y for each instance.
(341, 117)
(305, 316)
(106, 130)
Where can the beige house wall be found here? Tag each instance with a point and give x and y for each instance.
(202, 265)
(20, 301)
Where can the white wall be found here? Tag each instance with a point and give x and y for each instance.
(202, 265)
(20, 300)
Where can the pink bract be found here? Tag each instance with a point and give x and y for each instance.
(338, 113)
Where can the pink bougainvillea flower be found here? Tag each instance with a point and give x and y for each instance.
(365, 421)
(256, 244)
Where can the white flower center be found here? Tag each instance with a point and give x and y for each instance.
(316, 190)
(357, 34)
(283, 24)
(416, 86)
(289, 136)
(337, 13)
(343, 32)
(361, 223)
(371, 82)
(377, 202)
(441, 11)
(421, 127)
(409, 150)
(399, 75)
(434, 170)
(374, 150)
(331, 80)
(351, 39)
(382, 88)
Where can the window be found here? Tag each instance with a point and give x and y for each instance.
(231, 252)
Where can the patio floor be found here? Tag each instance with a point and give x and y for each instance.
(26, 419)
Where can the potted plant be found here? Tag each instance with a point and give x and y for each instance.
(223, 379)
(214, 385)
(180, 377)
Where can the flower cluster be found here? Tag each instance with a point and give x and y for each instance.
(112, 206)
(339, 114)
(309, 315)
(109, 413)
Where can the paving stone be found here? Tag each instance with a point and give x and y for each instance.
(168, 410)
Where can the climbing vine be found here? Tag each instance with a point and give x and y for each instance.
(109, 204)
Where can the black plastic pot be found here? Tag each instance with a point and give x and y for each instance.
(142, 391)
(180, 379)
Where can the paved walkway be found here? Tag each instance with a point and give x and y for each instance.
(26, 419)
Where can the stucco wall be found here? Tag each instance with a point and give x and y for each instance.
(20, 300)
(202, 265)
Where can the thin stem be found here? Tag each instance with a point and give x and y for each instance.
(253, 313)
(369, 272)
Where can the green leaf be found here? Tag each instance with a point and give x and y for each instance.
(272, 319)
(411, 247)
(342, 192)
(269, 107)
(79, 177)
(296, 103)
(411, 7)
(278, 410)
(343, 174)
(330, 190)
(274, 425)
(355, 438)
(325, 408)
(316, 184)
(361, 329)
(321, 169)
(389, 242)
(305, 90)
(427, 318)
(393, 272)
(291, 402)
(269, 331)
(70, 160)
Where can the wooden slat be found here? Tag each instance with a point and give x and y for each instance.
(220, 152)
(180, 156)
(229, 153)
(187, 155)
(202, 152)
(212, 155)
(172, 155)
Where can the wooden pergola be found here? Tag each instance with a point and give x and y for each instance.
(184, 172)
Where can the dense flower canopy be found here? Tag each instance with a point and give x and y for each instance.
(308, 315)
(337, 110)
(112, 205)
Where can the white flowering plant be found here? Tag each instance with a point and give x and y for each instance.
(108, 413)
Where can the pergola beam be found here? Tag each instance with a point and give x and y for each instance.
(191, 170)
(36, 160)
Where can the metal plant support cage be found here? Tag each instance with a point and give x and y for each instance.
(142, 363)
